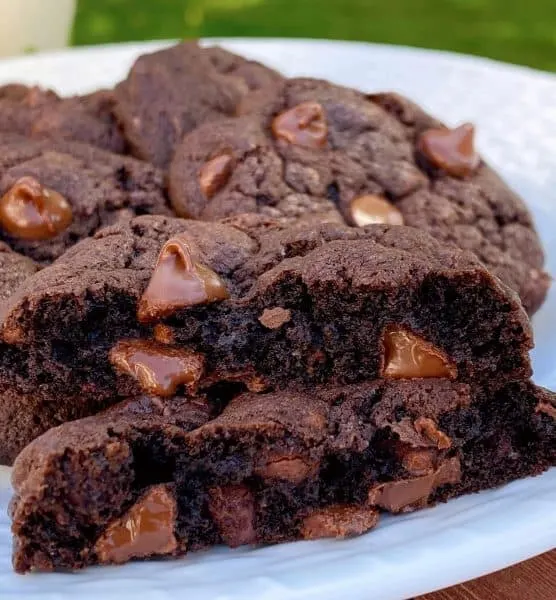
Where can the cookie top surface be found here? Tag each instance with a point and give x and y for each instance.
(39, 113)
(92, 188)
(14, 269)
(170, 92)
(307, 147)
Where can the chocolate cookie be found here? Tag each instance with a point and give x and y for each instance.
(53, 193)
(161, 477)
(37, 113)
(169, 92)
(307, 147)
(14, 269)
(160, 305)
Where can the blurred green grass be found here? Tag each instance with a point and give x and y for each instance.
(520, 31)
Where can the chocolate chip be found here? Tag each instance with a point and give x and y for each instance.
(302, 125)
(406, 495)
(233, 509)
(451, 150)
(177, 282)
(163, 334)
(288, 467)
(372, 209)
(146, 529)
(215, 173)
(339, 521)
(407, 355)
(274, 318)
(429, 429)
(30, 211)
(158, 368)
(418, 462)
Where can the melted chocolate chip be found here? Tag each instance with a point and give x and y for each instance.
(30, 211)
(407, 355)
(371, 209)
(303, 125)
(429, 429)
(178, 282)
(339, 521)
(451, 150)
(419, 462)
(146, 529)
(291, 468)
(215, 173)
(158, 368)
(232, 508)
(405, 495)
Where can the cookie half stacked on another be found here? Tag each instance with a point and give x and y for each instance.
(285, 383)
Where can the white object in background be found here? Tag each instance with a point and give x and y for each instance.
(28, 25)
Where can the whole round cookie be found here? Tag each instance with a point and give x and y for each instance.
(308, 148)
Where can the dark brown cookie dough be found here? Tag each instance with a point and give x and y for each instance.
(54, 193)
(170, 92)
(37, 113)
(308, 147)
(356, 304)
(14, 269)
(162, 477)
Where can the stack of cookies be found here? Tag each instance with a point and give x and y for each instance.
(237, 308)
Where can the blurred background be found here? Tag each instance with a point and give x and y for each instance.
(518, 31)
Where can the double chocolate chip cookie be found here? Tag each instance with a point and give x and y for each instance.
(161, 305)
(306, 149)
(54, 193)
(153, 477)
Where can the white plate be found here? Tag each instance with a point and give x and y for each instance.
(515, 111)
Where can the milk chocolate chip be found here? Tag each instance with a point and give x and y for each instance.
(215, 173)
(407, 355)
(30, 211)
(146, 529)
(418, 462)
(339, 521)
(428, 428)
(177, 282)
(158, 368)
(371, 209)
(302, 125)
(289, 467)
(233, 509)
(406, 495)
(451, 150)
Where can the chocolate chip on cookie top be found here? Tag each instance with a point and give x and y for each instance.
(451, 150)
(31, 211)
(179, 281)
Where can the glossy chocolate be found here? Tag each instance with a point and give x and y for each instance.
(178, 282)
(303, 125)
(29, 211)
(371, 209)
(407, 355)
(158, 368)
